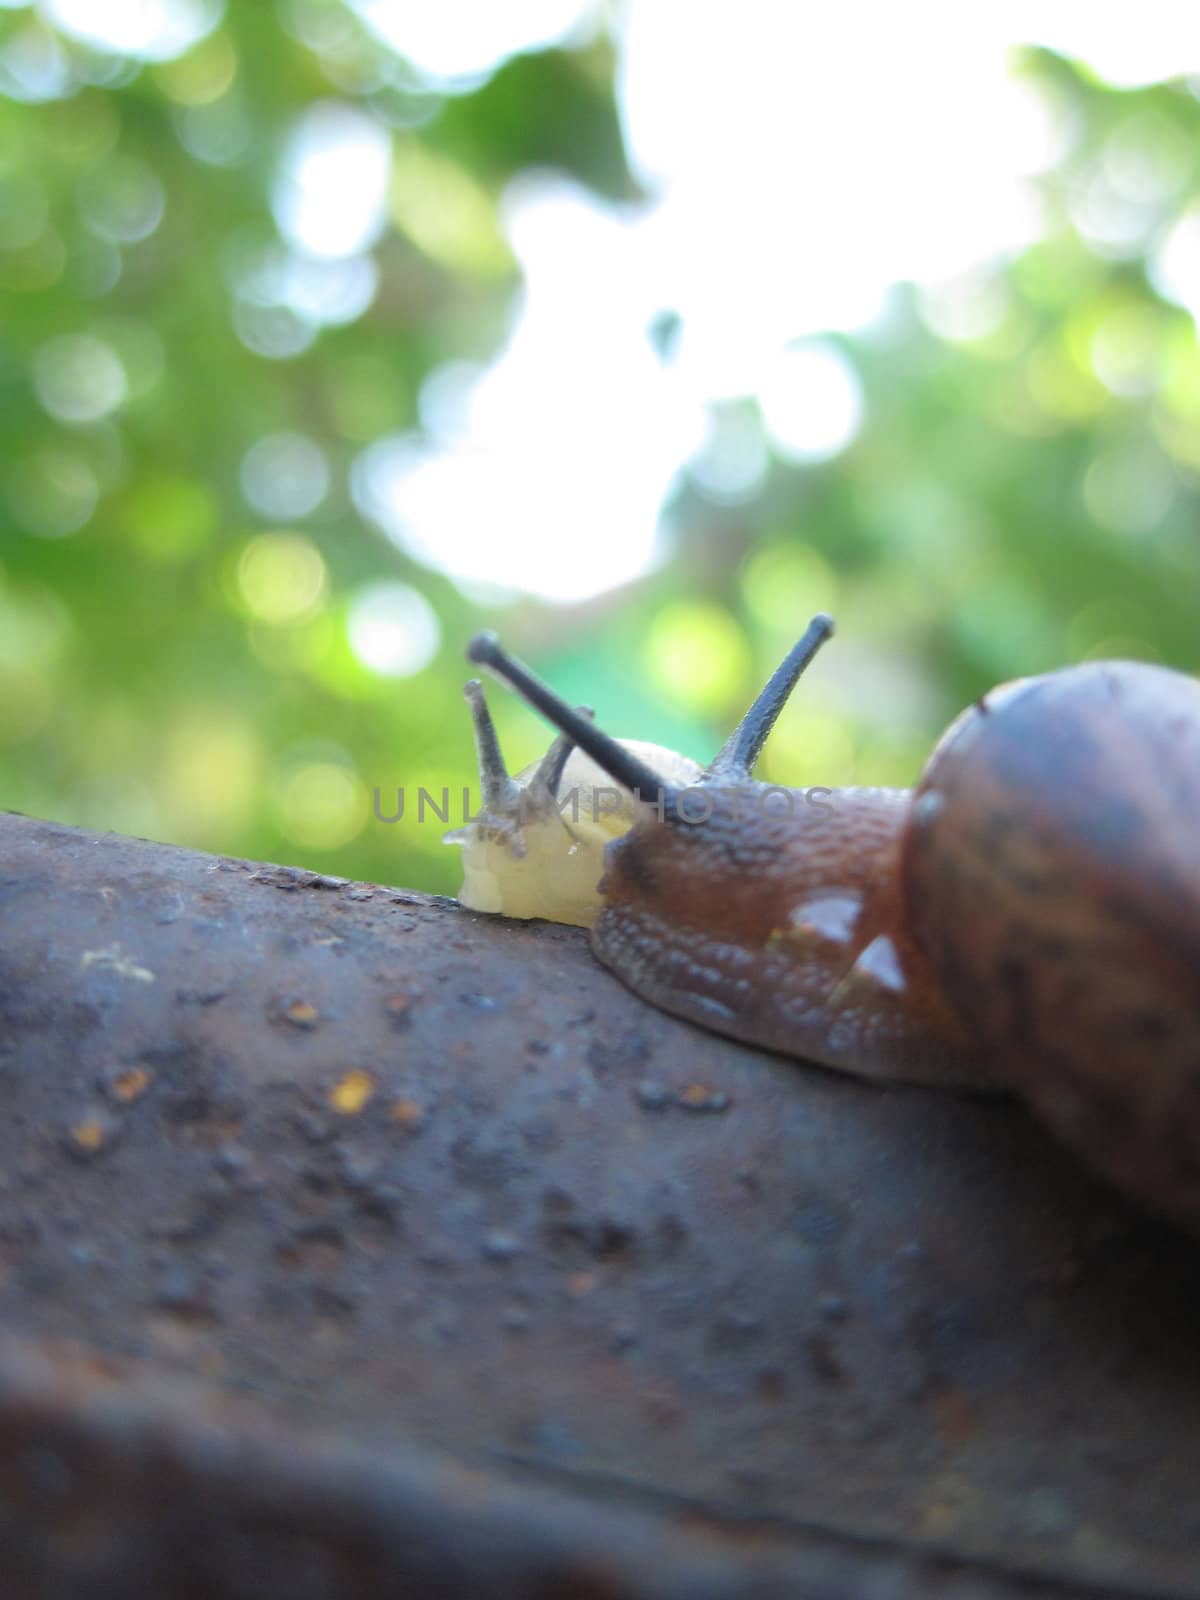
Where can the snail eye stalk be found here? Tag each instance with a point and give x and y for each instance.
(623, 767)
(498, 788)
(742, 749)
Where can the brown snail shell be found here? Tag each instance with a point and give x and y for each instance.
(1052, 874)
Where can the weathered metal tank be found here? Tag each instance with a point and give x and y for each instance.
(353, 1244)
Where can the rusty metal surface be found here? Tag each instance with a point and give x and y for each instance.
(350, 1238)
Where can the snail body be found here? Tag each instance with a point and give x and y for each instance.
(1027, 918)
(793, 937)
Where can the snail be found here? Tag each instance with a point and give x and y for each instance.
(1027, 918)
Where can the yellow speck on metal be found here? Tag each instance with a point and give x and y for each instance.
(130, 1084)
(88, 1134)
(408, 1114)
(351, 1092)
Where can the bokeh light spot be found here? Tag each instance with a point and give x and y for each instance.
(731, 464)
(1147, 158)
(330, 292)
(1114, 223)
(34, 66)
(810, 744)
(1129, 489)
(52, 492)
(139, 350)
(218, 134)
(203, 74)
(444, 399)
(1062, 390)
(569, 444)
(26, 702)
(152, 29)
(169, 517)
(1124, 647)
(95, 267)
(697, 656)
(1175, 265)
(85, 130)
(783, 584)
(393, 629)
(282, 577)
(34, 627)
(78, 378)
(122, 200)
(324, 806)
(445, 211)
(967, 308)
(1125, 350)
(276, 332)
(1110, 616)
(282, 297)
(329, 197)
(811, 402)
(211, 771)
(465, 38)
(284, 475)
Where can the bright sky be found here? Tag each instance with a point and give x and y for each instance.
(799, 159)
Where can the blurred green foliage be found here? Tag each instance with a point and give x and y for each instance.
(173, 663)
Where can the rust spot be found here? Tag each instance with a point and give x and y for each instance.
(408, 1114)
(699, 1097)
(302, 1014)
(129, 1084)
(91, 1134)
(351, 1092)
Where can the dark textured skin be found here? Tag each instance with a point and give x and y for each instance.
(699, 919)
(1053, 868)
